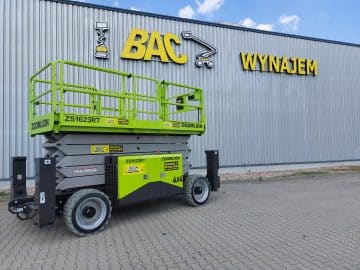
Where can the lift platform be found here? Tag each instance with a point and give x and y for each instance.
(115, 140)
(114, 102)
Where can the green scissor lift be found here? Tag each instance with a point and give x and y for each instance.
(117, 139)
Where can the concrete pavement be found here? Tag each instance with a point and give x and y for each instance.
(292, 223)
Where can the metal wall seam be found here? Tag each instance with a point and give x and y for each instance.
(2, 85)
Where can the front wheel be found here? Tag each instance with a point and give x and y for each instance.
(196, 190)
(199, 63)
(87, 211)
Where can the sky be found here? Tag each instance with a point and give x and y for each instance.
(328, 19)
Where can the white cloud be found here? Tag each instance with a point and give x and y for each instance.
(186, 12)
(265, 27)
(134, 8)
(208, 6)
(291, 21)
(204, 7)
(250, 23)
(247, 22)
(116, 4)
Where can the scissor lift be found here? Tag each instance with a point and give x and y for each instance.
(120, 139)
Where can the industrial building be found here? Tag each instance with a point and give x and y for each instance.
(271, 98)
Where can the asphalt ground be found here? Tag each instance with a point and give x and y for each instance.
(303, 222)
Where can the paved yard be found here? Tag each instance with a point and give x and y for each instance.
(296, 223)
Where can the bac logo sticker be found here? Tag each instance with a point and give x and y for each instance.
(111, 121)
(130, 169)
(106, 148)
(99, 149)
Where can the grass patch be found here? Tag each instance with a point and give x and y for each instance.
(4, 196)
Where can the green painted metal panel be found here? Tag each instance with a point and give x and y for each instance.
(135, 172)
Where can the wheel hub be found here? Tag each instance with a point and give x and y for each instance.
(89, 211)
(198, 190)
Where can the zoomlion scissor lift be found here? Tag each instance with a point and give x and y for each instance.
(107, 147)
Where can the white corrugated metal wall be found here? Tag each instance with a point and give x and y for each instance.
(252, 118)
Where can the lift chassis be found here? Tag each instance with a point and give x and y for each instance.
(99, 156)
(127, 181)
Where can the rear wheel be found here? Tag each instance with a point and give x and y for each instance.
(210, 64)
(196, 190)
(87, 211)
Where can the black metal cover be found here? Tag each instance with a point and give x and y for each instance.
(45, 182)
(111, 177)
(212, 160)
(18, 177)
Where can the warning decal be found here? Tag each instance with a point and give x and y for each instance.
(171, 166)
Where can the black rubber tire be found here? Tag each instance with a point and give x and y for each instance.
(189, 182)
(73, 203)
(199, 63)
(210, 64)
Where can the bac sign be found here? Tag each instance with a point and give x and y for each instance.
(141, 45)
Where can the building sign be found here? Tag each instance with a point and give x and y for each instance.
(269, 63)
(142, 45)
(203, 57)
(102, 47)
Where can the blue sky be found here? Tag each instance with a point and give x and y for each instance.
(329, 19)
